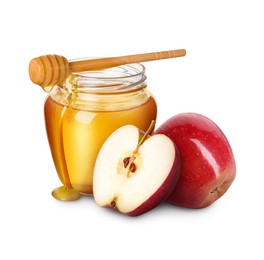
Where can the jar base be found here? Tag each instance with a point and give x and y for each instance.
(65, 194)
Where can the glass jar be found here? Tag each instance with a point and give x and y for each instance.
(84, 111)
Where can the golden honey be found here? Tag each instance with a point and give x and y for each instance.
(84, 111)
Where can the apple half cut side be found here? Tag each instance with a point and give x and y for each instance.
(134, 176)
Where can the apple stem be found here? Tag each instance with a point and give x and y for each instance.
(142, 140)
(129, 161)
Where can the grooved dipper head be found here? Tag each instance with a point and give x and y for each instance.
(48, 70)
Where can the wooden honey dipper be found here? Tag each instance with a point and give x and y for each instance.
(50, 70)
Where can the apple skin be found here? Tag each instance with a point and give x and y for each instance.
(208, 165)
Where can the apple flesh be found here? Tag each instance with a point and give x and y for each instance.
(208, 165)
(132, 176)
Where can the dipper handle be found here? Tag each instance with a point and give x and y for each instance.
(52, 69)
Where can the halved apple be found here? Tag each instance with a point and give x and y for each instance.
(134, 174)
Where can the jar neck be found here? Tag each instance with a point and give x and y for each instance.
(119, 79)
(116, 88)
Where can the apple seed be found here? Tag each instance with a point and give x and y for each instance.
(129, 161)
(126, 161)
(132, 166)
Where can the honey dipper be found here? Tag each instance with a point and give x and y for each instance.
(50, 70)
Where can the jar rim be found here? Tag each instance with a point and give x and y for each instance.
(119, 79)
(127, 69)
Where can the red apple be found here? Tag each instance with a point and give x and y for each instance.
(133, 174)
(208, 165)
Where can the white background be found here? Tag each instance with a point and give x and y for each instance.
(221, 77)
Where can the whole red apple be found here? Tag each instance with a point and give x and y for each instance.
(208, 165)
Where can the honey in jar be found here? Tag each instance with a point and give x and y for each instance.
(83, 111)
